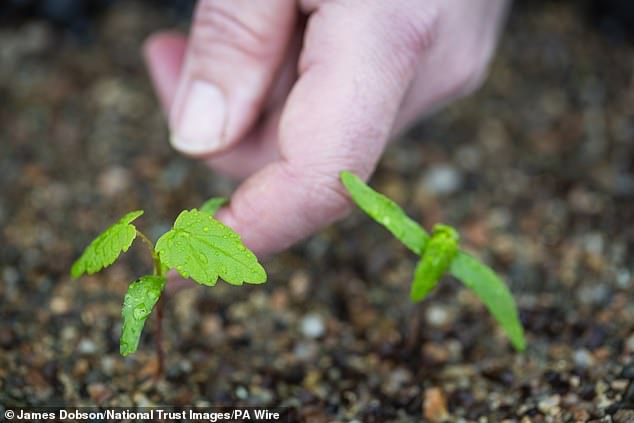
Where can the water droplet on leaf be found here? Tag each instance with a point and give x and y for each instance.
(140, 312)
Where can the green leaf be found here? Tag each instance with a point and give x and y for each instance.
(204, 249)
(493, 292)
(212, 205)
(439, 252)
(107, 247)
(386, 212)
(142, 296)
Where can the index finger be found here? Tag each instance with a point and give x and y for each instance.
(354, 72)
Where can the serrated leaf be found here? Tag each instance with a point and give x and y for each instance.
(107, 247)
(212, 205)
(493, 292)
(142, 296)
(386, 212)
(202, 248)
(439, 252)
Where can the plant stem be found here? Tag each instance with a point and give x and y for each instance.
(158, 271)
(160, 356)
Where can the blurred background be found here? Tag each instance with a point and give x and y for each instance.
(535, 170)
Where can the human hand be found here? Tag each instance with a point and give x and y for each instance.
(287, 94)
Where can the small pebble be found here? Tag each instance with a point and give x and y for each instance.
(86, 346)
(624, 416)
(435, 405)
(583, 358)
(108, 365)
(141, 400)
(619, 384)
(442, 179)
(623, 278)
(549, 405)
(59, 305)
(98, 392)
(299, 285)
(396, 380)
(593, 294)
(438, 315)
(305, 351)
(114, 181)
(211, 325)
(581, 416)
(312, 326)
(242, 393)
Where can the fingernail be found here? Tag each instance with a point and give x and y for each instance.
(200, 119)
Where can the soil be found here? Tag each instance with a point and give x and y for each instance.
(535, 169)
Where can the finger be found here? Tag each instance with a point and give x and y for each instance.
(234, 50)
(462, 59)
(164, 54)
(354, 71)
(260, 146)
(258, 149)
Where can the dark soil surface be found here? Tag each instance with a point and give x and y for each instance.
(535, 169)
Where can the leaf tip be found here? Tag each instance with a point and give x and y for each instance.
(212, 205)
(519, 342)
(417, 297)
(413, 297)
(346, 177)
(75, 271)
(131, 216)
(259, 276)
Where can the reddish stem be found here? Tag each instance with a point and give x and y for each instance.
(160, 356)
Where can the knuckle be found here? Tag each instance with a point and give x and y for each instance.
(415, 32)
(414, 29)
(408, 33)
(218, 27)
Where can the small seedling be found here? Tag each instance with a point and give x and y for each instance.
(439, 253)
(198, 247)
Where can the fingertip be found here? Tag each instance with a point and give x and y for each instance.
(164, 53)
(164, 40)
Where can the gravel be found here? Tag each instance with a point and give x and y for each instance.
(531, 169)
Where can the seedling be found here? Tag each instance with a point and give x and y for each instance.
(439, 253)
(198, 247)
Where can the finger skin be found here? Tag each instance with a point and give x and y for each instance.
(164, 54)
(234, 51)
(457, 62)
(366, 71)
(354, 71)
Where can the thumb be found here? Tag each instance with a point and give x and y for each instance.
(234, 50)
